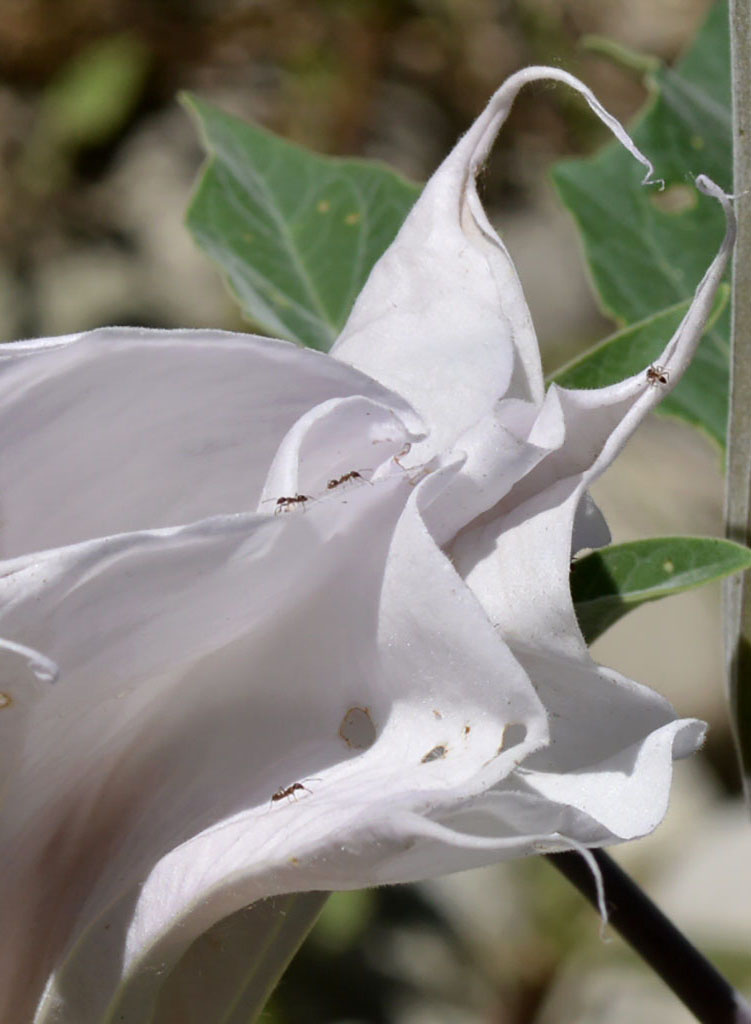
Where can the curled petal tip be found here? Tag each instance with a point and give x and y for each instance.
(44, 668)
(710, 188)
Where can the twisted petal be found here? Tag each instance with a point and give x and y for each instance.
(442, 318)
(207, 639)
(612, 742)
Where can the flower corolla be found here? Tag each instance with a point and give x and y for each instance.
(278, 621)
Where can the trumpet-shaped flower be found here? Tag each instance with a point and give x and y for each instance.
(278, 621)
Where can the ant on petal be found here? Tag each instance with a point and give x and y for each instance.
(352, 475)
(289, 791)
(657, 375)
(285, 504)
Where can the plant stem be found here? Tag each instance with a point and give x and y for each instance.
(738, 495)
(709, 996)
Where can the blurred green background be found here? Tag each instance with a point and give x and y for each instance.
(97, 162)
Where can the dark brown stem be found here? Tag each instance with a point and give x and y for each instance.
(706, 993)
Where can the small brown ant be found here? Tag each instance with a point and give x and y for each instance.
(352, 475)
(657, 375)
(288, 791)
(285, 504)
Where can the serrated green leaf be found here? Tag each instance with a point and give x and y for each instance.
(646, 249)
(607, 584)
(295, 233)
(697, 401)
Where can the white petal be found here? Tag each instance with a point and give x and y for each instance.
(537, 521)
(442, 318)
(193, 683)
(124, 429)
(25, 677)
(337, 443)
(440, 688)
(499, 452)
(625, 795)
(612, 741)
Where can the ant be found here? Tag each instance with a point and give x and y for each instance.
(287, 791)
(352, 475)
(657, 375)
(285, 504)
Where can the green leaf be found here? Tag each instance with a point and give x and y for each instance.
(699, 399)
(227, 975)
(607, 584)
(294, 233)
(647, 250)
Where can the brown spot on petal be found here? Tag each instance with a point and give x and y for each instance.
(5, 700)
(467, 730)
(357, 728)
(436, 754)
(437, 713)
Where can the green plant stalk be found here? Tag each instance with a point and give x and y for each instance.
(228, 974)
(738, 494)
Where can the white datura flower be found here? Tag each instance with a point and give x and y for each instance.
(275, 621)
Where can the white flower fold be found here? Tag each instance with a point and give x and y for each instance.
(276, 621)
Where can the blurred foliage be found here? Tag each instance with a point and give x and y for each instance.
(648, 250)
(84, 105)
(394, 79)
